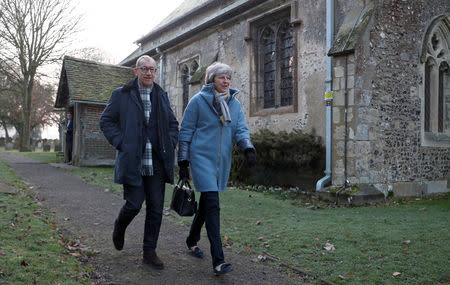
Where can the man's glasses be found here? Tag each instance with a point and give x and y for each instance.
(147, 69)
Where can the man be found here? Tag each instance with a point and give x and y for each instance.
(139, 122)
(69, 137)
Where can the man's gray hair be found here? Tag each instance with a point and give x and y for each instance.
(215, 69)
(144, 58)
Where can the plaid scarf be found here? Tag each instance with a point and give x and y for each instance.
(147, 162)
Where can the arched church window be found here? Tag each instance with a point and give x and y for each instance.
(269, 63)
(194, 67)
(285, 50)
(185, 77)
(436, 87)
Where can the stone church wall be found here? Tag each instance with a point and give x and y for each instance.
(384, 146)
(227, 43)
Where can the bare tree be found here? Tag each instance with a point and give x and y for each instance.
(32, 34)
(92, 53)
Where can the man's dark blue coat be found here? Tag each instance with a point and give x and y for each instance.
(122, 123)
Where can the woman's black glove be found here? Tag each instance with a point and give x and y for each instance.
(250, 156)
(184, 169)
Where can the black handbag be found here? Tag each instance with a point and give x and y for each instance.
(183, 199)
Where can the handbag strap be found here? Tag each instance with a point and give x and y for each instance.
(184, 181)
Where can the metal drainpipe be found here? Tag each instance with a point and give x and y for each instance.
(161, 66)
(346, 120)
(326, 180)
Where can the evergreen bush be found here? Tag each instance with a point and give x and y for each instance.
(283, 159)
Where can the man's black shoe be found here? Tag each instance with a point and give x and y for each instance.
(152, 259)
(118, 236)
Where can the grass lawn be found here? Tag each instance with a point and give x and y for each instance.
(405, 241)
(29, 245)
(46, 157)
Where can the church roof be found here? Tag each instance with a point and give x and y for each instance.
(352, 29)
(89, 81)
(189, 19)
(185, 8)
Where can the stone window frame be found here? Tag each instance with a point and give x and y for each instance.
(435, 87)
(289, 11)
(186, 68)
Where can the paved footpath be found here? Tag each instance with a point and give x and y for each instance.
(86, 210)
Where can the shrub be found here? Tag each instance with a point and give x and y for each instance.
(283, 159)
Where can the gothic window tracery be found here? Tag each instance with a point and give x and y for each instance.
(275, 61)
(187, 69)
(436, 93)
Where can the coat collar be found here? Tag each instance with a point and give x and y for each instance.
(132, 87)
(133, 84)
(207, 94)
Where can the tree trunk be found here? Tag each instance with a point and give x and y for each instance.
(26, 130)
(7, 138)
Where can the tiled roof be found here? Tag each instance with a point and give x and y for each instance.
(84, 80)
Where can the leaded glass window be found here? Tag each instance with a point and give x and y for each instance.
(185, 80)
(437, 79)
(187, 69)
(275, 59)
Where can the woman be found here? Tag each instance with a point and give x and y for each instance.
(212, 121)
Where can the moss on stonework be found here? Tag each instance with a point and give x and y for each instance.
(349, 190)
(348, 36)
(198, 75)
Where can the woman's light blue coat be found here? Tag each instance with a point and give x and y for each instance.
(211, 143)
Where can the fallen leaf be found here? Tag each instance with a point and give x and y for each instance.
(19, 251)
(27, 215)
(2, 253)
(347, 235)
(24, 263)
(340, 276)
(396, 273)
(329, 247)
(258, 223)
(406, 242)
(364, 250)
(404, 249)
(277, 235)
(262, 257)
(260, 238)
(247, 248)
(75, 254)
(349, 274)
(53, 225)
(225, 237)
(422, 209)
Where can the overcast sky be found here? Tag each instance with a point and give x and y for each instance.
(114, 26)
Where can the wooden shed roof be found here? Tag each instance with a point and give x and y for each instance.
(90, 81)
